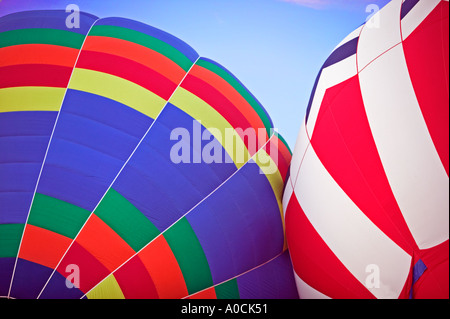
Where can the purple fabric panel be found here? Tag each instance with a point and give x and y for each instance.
(239, 226)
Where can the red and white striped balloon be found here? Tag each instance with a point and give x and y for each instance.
(367, 200)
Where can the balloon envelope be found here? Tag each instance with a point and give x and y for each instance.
(367, 201)
(117, 179)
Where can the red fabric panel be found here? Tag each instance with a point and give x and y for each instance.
(33, 75)
(286, 154)
(434, 283)
(43, 246)
(313, 260)
(231, 94)
(129, 70)
(104, 243)
(220, 103)
(163, 268)
(134, 280)
(344, 144)
(277, 151)
(427, 56)
(209, 293)
(91, 270)
(136, 52)
(38, 54)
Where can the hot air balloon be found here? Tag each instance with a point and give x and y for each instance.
(117, 179)
(367, 200)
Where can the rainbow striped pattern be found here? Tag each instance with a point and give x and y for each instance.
(86, 177)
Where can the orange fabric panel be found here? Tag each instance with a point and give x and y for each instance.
(38, 54)
(104, 244)
(43, 246)
(162, 266)
(137, 53)
(231, 94)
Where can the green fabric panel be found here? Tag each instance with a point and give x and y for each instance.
(41, 36)
(239, 88)
(126, 220)
(228, 290)
(56, 215)
(10, 236)
(144, 40)
(190, 256)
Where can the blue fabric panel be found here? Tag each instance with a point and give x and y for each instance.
(418, 270)
(52, 19)
(29, 279)
(96, 136)
(239, 226)
(161, 189)
(407, 7)
(6, 270)
(24, 138)
(57, 289)
(77, 174)
(274, 280)
(17, 183)
(313, 93)
(34, 123)
(93, 138)
(100, 109)
(20, 149)
(14, 206)
(181, 46)
(344, 51)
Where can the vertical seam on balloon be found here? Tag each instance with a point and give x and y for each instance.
(117, 175)
(45, 158)
(184, 215)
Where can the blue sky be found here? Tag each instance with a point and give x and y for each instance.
(275, 47)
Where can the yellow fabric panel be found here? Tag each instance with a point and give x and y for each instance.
(107, 289)
(31, 98)
(210, 118)
(118, 89)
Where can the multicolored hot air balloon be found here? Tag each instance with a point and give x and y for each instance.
(367, 200)
(116, 177)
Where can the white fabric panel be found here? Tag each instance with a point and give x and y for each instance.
(411, 162)
(301, 144)
(376, 40)
(331, 76)
(305, 291)
(415, 17)
(352, 237)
